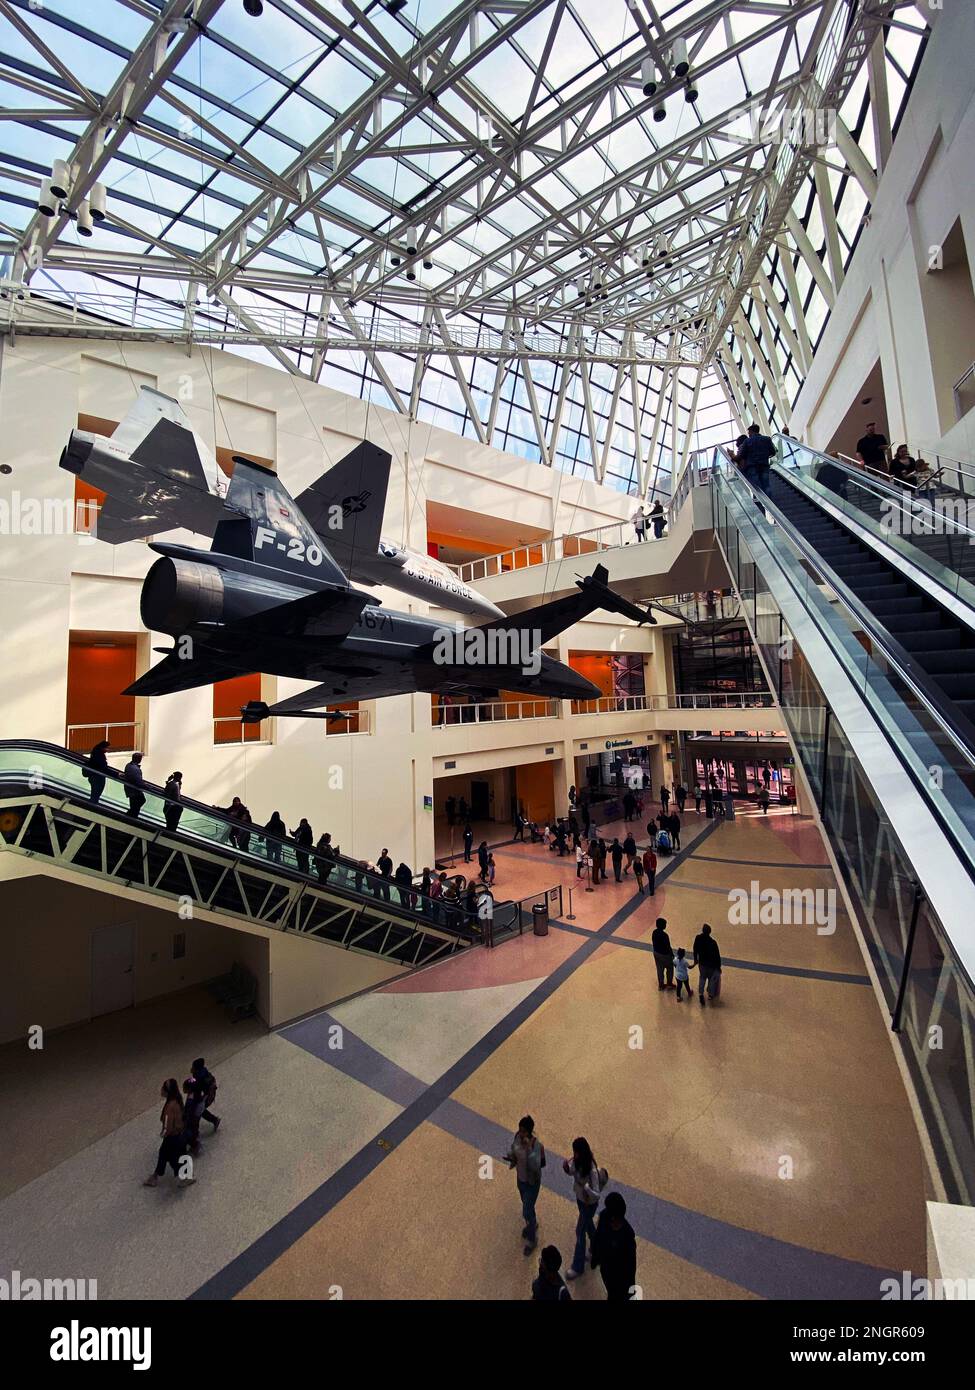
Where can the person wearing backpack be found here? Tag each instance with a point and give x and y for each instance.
(526, 1155)
(588, 1180)
(208, 1087)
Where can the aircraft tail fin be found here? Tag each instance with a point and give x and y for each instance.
(271, 528)
(346, 504)
(157, 432)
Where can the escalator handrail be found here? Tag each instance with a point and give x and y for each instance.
(956, 726)
(212, 813)
(883, 485)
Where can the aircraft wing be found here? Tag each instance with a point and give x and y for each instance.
(346, 504)
(183, 673)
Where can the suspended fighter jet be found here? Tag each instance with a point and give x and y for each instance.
(159, 476)
(269, 596)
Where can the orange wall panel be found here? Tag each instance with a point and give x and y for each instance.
(535, 789)
(96, 678)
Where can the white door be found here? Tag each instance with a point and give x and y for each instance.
(112, 969)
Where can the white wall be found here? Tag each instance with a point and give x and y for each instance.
(926, 186)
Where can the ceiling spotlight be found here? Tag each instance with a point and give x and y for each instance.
(395, 259)
(681, 66)
(411, 273)
(60, 178)
(660, 112)
(690, 91)
(254, 7)
(648, 77)
(97, 202)
(427, 263)
(411, 241)
(644, 255)
(84, 218)
(47, 203)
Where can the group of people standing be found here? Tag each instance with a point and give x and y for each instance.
(656, 518)
(673, 967)
(611, 1240)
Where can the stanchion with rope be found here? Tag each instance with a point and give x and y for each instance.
(589, 887)
(570, 915)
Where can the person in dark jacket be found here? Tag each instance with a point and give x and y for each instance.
(616, 854)
(550, 1287)
(134, 782)
(275, 830)
(673, 825)
(707, 958)
(96, 770)
(629, 806)
(680, 796)
(657, 519)
(304, 837)
(468, 843)
(755, 457)
(482, 858)
(325, 861)
(629, 849)
(172, 810)
(403, 878)
(614, 1249)
(663, 955)
(385, 866)
(664, 798)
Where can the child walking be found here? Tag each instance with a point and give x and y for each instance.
(681, 968)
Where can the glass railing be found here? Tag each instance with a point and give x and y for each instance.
(934, 530)
(922, 979)
(41, 768)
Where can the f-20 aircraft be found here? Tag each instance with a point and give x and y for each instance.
(269, 596)
(159, 476)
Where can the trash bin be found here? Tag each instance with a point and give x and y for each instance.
(540, 919)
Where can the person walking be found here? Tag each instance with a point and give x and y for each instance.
(526, 1155)
(629, 806)
(650, 869)
(681, 967)
(134, 782)
(549, 1286)
(173, 1145)
(663, 955)
(707, 958)
(664, 798)
(614, 1250)
(629, 849)
(673, 825)
(616, 854)
(172, 808)
(658, 520)
(587, 1183)
(764, 800)
(304, 838)
(193, 1108)
(208, 1087)
(680, 796)
(274, 832)
(468, 842)
(96, 770)
(519, 822)
(638, 872)
(698, 797)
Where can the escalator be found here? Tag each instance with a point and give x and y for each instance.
(227, 872)
(866, 641)
(938, 638)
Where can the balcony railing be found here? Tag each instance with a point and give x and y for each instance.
(227, 728)
(625, 704)
(124, 738)
(613, 704)
(611, 537)
(493, 712)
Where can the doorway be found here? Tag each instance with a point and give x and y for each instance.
(112, 969)
(480, 800)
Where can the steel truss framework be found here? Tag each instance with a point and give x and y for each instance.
(81, 840)
(470, 215)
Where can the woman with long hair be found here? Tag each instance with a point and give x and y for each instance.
(173, 1144)
(587, 1183)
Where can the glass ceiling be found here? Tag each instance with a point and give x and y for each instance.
(476, 214)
